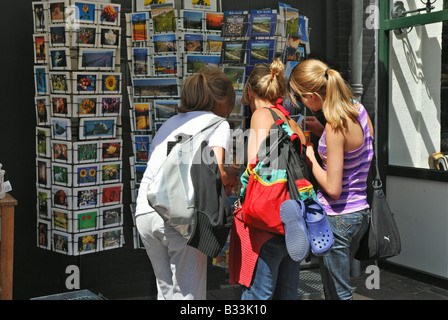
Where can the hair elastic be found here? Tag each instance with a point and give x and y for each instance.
(326, 73)
(272, 73)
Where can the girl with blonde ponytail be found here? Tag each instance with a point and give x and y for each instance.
(345, 148)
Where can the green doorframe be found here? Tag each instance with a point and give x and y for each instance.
(387, 25)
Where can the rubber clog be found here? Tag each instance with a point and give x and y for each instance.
(296, 234)
(321, 236)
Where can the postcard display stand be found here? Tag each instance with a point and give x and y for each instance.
(168, 42)
(78, 135)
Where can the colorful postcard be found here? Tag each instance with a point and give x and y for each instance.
(109, 14)
(164, 17)
(292, 20)
(193, 42)
(139, 171)
(260, 51)
(111, 150)
(61, 105)
(95, 128)
(85, 82)
(109, 37)
(87, 197)
(43, 136)
(41, 83)
(213, 44)
(62, 220)
(40, 48)
(85, 175)
(291, 47)
(57, 11)
(262, 23)
(85, 36)
(234, 23)
(42, 110)
(165, 43)
(109, 105)
(234, 52)
(85, 220)
(44, 203)
(85, 12)
(213, 21)
(62, 242)
(112, 238)
(192, 20)
(84, 152)
(40, 16)
(62, 197)
(111, 194)
(194, 62)
(141, 145)
(58, 35)
(140, 61)
(205, 5)
(110, 83)
(139, 25)
(237, 110)
(110, 172)
(145, 5)
(60, 82)
(165, 109)
(167, 65)
(61, 174)
(60, 59)
(85, 106)
(61, 151)
(142, 116)
(236, 75)
(61, 128)
(156, 87)
(96, 59)
(111, 216)
(85, 243)
(44, 234)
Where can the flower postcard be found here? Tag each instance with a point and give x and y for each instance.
(109, 37)
(110, 83)
(139, 26)
(205, 5)
(85, 82)
(85, 175)
(109, 14)
(111, 150)
(85, 243)
(85, 12)
(60, 82)
(85, 36)
(110, 172)
(111, 194)
(109, 105)
(85, 105)
(85, 152)
(164, 17)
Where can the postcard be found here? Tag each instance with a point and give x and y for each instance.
(95, 128)
(85, 12)
(43, 136)
(193, 42)
(111, 194)
(62, 197)
(167, 65)
(213, 21)
(213, 44)
(194, 62)
(141, 145)
(281, 25)
(139, 25)
(292, 21)
(41, 83)
(110, 37)
(156, 87)
(42, 105)
(62, 242)
(208, 5)
(109, 14)
(85, 175)
(109, 105)
(142, 116)
(85, 243)
(87, 197)
(191, 20)
(85, 220)
(85, 106)
(111, 216)
(165, 43)
(303, 28)
(57, 11)
(164, 17)
(139, 171)
(234, 52)
(85, 36)
(40, 48)
(236, 75)
(260, 51)
(96, 59)
(111, 150)
(237, 110)
(58, 35)
(60, 59)
(44, 234)
(290, 65)
(234, 23)
(61, 105)
(85, 82)
(61, 151)
(61, 174)
(60, 82)
(165, 109)
(110, 83)
(145, 5)
(110, 172)
(84, 152)
(60, 128)
(112, 238)
(262, 23)
(62, 220)
(291, 47)
(140, 61)
(40, 16)
(43, 203)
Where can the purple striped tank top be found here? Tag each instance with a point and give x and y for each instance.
(354, 177)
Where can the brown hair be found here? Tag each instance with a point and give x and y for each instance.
(206, 90)
(314, 76)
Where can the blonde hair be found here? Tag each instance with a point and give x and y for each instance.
(338, 103)
(267, 81)
(206, 90)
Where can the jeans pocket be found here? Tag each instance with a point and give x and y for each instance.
(349, 224)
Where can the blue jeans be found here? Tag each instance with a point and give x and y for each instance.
(348, 230)
(276, 275)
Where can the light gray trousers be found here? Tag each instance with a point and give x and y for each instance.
(180, 270)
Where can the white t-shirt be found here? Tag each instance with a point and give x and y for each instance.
(188, 123)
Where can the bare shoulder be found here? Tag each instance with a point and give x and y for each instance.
(262, 118)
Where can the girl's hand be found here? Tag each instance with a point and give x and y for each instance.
(313, 125)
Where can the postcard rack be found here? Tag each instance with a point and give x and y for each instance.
(166, 43)
(78, 101)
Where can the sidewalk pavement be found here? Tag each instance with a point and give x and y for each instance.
(393, 286)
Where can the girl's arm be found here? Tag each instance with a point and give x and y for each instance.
(229, 175)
